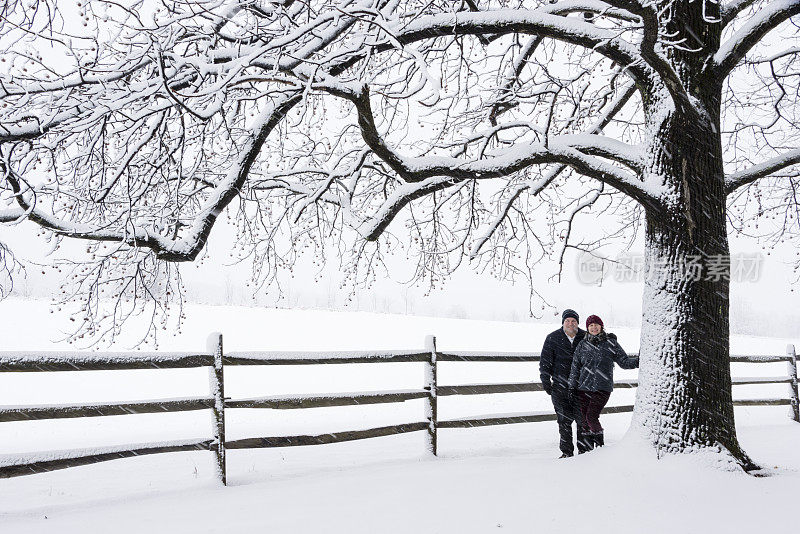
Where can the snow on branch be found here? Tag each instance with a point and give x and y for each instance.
(538, 186)
(766, 19)
(606, 147)
(534, 186)
(26, 198)
(440, 173)
(762, 170)
(503, 99)
(533, 22)
(730, 10)
(187, 247)
(12, 216)
(643, 62)
(613, 9)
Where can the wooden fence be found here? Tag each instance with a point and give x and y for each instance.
(215, 360)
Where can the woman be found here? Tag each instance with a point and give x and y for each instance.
(591, 378)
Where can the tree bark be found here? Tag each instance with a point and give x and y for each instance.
(684, 399)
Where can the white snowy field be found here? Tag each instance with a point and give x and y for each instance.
(503, 479)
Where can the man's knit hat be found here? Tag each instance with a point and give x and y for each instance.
(594, 319)
(569, 313)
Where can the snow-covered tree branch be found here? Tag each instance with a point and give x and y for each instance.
(752, 32)
(731, 9)
(762, 170)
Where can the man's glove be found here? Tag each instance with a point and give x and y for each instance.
(547, 386)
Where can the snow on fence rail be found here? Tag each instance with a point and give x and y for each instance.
(216, 360)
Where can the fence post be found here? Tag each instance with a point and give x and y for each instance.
(431, 386)
(793, 376)
(217, 385)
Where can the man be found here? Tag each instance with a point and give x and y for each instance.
(554, 368)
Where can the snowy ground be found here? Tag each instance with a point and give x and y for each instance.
(502, 479)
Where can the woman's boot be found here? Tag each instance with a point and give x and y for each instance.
(598, 439)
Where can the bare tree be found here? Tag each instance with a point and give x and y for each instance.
(477, 129)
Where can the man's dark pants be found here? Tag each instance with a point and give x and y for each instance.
(566, 412)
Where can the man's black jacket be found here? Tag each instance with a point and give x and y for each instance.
(556, 362)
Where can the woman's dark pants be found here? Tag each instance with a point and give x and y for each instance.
(591, 404)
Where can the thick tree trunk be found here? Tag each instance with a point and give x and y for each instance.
(684, 400)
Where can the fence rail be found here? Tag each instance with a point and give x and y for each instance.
(73, 459)
(109, 361)
(215, 360)
(31, 413)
